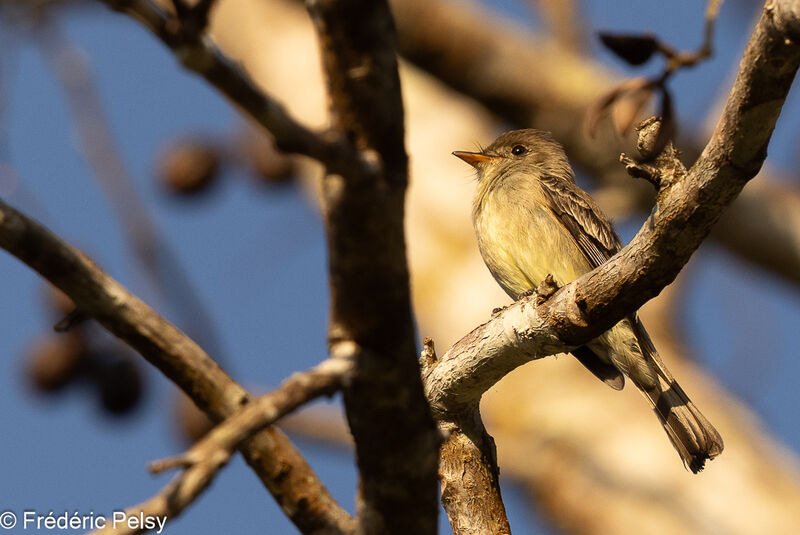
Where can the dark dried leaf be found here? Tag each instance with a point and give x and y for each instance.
(634, 49)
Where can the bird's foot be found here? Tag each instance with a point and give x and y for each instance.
(546, 289)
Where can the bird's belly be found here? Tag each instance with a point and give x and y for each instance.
(521, 250)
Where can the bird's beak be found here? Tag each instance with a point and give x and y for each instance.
(475, 159)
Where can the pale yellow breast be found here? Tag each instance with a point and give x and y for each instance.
(522, 241)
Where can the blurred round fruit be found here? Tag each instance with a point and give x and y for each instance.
(188, 166)
(55, 360)
(120, 384)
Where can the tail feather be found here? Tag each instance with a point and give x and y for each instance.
(693, 436)
(690, 432)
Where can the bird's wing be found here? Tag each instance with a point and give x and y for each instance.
(583, 218)
(594, 236)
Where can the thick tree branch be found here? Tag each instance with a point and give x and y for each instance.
(396, 440)
(468, 466)
(470, 478)
(278, 464)
(514, 336)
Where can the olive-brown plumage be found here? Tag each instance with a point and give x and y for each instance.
(531, 220)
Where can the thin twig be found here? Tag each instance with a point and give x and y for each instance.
(628, 98)
(324, 379)
(677, 60)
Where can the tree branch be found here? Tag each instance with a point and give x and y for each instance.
(471, 479)
(688, 209)
(396, 440)
(468, 466)
(324, 379)
(204, 460)
(275, 460)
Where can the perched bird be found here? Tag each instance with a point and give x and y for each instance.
(531, 220)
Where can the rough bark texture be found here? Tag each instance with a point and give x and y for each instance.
(396, 441)
(514, 336)
(470, 478)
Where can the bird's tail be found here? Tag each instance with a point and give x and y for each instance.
(693, 436)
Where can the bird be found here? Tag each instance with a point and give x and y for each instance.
(532, 220)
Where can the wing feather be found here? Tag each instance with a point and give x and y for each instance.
(582, 218)
(597, 241)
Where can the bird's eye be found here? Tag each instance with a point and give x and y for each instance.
(518, 150)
